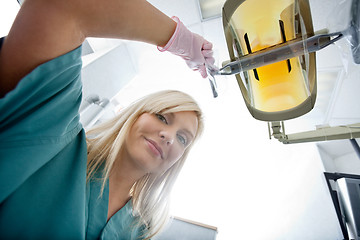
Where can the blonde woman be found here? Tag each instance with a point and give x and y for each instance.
(113, 183)
(142, 153)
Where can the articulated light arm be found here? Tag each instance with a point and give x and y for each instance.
(321, 134)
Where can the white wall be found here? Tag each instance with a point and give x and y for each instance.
(349, 163)
(339, 156)
(108, 72)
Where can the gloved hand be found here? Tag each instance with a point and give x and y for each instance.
(193, 48)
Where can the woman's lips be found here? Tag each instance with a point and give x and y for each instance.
(155, 148)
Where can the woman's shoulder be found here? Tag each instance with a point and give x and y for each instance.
(45, 102)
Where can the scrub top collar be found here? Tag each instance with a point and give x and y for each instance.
(122, 225)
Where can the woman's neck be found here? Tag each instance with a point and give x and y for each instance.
(122, 177)
(119, 195)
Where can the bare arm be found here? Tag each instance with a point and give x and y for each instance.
(129, 19)
(45, 29)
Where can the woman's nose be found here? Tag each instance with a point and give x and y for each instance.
(167, 137)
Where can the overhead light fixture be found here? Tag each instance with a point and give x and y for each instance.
(272, 55)
(210, 9)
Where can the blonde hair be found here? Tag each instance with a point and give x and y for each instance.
(150, 194)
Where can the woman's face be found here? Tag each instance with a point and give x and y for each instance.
(156, 141)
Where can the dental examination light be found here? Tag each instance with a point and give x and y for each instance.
(272, 48)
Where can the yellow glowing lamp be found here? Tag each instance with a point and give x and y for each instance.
(272, 49)
(275, 90)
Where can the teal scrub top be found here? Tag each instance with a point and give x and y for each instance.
(43, 154)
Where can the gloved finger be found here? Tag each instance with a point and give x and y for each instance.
(192, 65)
(207, 53)
(210, 61)
(202, 70)
(207, 45)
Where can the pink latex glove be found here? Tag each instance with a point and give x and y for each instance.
(193, 48)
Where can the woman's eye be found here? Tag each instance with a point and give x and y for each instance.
(182, 139)
(162, 118)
